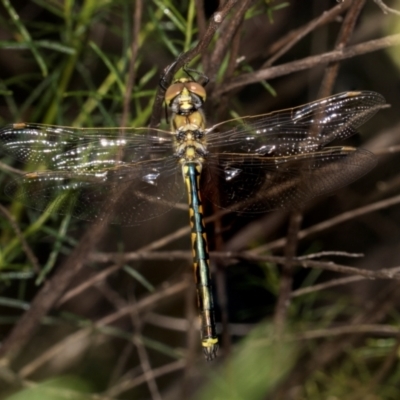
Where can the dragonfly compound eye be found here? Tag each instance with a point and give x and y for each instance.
(173, 91)
(196, 89)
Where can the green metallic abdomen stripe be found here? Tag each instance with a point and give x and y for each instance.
(191, 172)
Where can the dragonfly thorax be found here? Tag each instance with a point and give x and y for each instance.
(190, 141)
(190, 145)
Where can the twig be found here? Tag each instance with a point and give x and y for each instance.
(29, 253)
(326, 285)
(148, 372)
(373, 311)
(346, 30)
(347, 330)
(225, 40)
(346, 216)
(200, 18)
(131, 383)
(386, 366)
(103, 257)
(7, 168)
(50, 293)
(191, 330)
(330, 254)
(385, 8)
(147, 302)
(386, 273)
(98, 277)
(120, 364)
(287, 42)
(137, 17)
(308, 62)
(286, 282)
(214, 24)
(232, 64)
(54, 288)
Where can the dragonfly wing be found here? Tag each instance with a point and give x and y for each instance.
(130, 193)
(81, 149)
(299, 130)
(258, 184)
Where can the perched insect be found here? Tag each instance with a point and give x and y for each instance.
(251, 164)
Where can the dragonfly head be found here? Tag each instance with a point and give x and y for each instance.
(185, 96)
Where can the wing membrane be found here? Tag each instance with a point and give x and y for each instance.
(137, 192)
(299, 130)
(253, 164)
(82, 149)
(258, 184)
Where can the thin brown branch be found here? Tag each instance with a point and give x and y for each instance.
(330, 254)
(99, 277)
(286, 282)
(327, 224)
(343, 38)
(146, 303)
(148, 372)
(326, 285)
(223, 303)
(385, 8)
(179, 233)
(390, 360)
(373, 311)
(233, 55)
(309, 62)
(225, 39)
(347, 330)
(54, 288)
(5, 167)
(388, 150)
(137, 17)
(50, 293)
(200, 18)
(121, 363)
(214, 24)
(191, 330)
(25, 246)
(387, 273)
(287, 42)
(132, 382)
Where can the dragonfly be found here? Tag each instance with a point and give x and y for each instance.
(250, 164)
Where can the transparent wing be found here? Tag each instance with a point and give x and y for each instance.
(299, 130)
(80, 171)
(255, 163)
(251, 183)
(82, 149)
(130, 193)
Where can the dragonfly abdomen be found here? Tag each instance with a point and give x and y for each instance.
(209, 340)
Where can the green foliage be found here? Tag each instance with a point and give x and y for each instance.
(61, 388)
(254, 368)
(71, 65)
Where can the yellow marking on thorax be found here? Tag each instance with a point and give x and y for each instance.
(193, 121)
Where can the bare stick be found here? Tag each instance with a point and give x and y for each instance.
(385, 8)
(309, 62)
(343, 38)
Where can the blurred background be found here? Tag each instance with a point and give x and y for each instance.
(127, 326)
